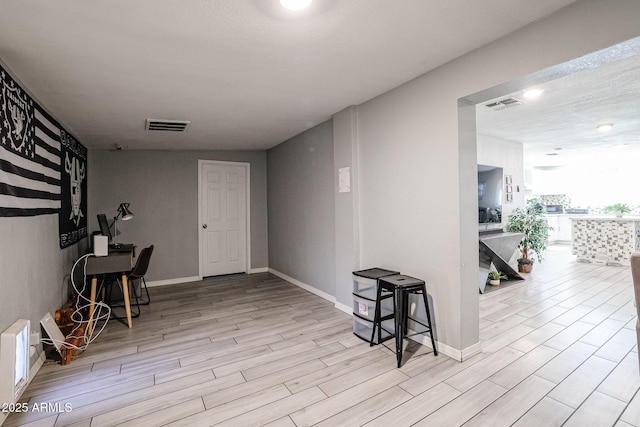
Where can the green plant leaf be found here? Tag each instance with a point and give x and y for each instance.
(617, 207)
(530, 221)
(496, 275)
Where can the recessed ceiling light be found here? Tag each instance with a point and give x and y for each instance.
(532, 93)
(603, 127)
(295, 4)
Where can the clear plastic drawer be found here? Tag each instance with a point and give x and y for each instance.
(363, 328)
(366, 308)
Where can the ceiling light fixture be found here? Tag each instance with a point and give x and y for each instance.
(603, 127)
(295, 4)
(532, 93)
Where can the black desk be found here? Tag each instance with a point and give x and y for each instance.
(120, 261)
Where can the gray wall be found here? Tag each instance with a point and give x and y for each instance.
(510, 157)
(162, 187)
(347, 232)
(410, 149)
(301, 208)
(416, 144)
(34, 269)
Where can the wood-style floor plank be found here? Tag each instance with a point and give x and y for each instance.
(623, 382)
(417, 408)
(369, 409)
(598, 410)
(582, 382)
(525, 366)
(547, 412)
(332, 405)
(513, 404)
(482, 370)
(557, 349)
(466, 406)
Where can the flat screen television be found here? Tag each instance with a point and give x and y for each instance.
(105, 230)
(489, 194)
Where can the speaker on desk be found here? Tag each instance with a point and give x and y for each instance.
(100, 245)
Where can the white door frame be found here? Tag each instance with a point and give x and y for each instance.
(247, 168)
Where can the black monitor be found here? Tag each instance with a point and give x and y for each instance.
(105, 230)
(490, 186)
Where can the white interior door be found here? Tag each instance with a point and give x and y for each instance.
(223, 218)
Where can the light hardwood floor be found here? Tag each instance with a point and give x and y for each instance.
(559, 349)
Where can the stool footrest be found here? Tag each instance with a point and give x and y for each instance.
(420, 323)
(417, 333)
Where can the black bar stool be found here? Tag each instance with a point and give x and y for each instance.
(399, 287)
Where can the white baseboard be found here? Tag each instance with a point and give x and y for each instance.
(36, 367)
(304, 286)
(343, 307)
(315, 291)
(424, 340)
(470, 351)
(173, 281)
(179, 280)
(454, 353)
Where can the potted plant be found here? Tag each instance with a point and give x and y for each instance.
(618, 209)
(532, 223)
(494, 278)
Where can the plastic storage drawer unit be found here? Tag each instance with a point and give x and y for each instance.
(365, 286)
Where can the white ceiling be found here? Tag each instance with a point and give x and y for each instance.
(247, 74)
(559, 127)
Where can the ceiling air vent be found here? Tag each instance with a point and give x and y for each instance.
(504, 103)
(167, 125)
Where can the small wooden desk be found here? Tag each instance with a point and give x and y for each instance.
(115, 262)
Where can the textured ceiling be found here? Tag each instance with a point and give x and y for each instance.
(247, 74)
(559, 127)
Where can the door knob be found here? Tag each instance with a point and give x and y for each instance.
(204, 225)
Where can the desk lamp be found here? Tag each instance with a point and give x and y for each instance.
(125, 214)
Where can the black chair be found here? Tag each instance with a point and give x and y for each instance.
(399, 287)
(137, 273)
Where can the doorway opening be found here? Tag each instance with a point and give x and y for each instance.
(498, 144)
